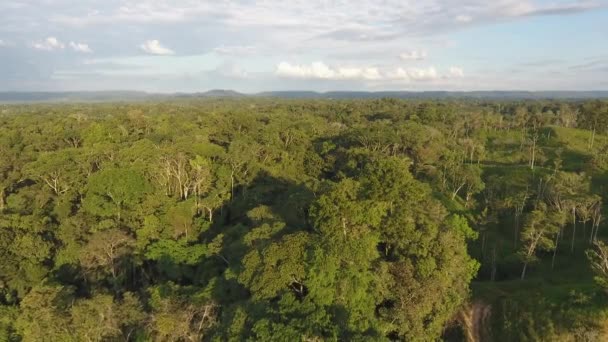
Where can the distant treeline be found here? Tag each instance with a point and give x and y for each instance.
(109, 96)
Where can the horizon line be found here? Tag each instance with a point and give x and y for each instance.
(297, 90)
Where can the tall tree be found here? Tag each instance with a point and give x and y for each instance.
(539, 228)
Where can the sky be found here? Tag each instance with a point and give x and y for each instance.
(251, 46)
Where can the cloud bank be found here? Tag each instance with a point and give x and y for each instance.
(320, 70)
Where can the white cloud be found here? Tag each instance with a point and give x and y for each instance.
(414, 55)
(52, 43)
(320, 70)
(2, 43)
(416, 74)
(154, 47)
(80, 47)
(49, 44)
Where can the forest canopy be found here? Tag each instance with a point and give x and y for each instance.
(304, 220)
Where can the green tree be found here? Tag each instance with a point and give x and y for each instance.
(598, 257)
(112, 191)
(539, 228)
(44, 314)
(106, 253)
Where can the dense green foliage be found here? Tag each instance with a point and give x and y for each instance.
(301, 220)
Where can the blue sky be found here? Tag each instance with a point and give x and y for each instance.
(251, 46)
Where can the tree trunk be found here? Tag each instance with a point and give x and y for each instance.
(584, 230)
(555, 250)
(593, 226)
(114, 276)
(516, 228)
(533, 154)
(457, 190)
(231, 186)
(573, 228)
(523, 271)
(597, 228)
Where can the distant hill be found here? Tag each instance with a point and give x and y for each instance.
(108, 96)
(493, 95)
(215, 93)
(292, 94)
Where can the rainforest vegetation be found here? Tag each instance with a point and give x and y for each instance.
(304, 220)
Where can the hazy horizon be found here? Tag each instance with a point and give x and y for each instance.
(295, 90)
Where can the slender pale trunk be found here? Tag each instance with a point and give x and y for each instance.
(555, 250)
(455, 192)
(232, 186)
(573, 228)
(593, 226)
(529, 253)
(584, 229)
(113, 270)
(597, 228)
(533, 154)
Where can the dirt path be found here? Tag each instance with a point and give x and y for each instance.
(476, 320)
